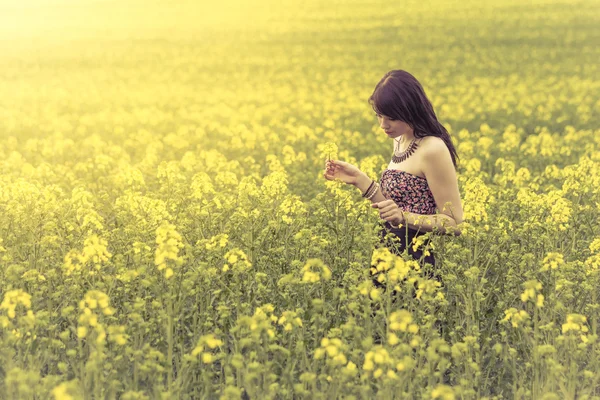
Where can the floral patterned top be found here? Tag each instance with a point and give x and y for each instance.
(410, 192)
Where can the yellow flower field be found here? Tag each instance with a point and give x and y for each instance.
(166, 231)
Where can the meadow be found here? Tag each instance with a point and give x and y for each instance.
(166, 231)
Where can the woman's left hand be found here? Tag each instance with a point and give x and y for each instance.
(389, 211)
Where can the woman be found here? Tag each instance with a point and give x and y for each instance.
(418, 192)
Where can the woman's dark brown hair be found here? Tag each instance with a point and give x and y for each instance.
(399, 95)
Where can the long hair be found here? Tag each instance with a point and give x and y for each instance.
(399, 95)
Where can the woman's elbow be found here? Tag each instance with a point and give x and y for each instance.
(458, 227)
(453, 226)
(454, 231)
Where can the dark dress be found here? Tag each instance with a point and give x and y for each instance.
(411, 193)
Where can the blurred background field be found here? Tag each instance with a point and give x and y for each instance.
(166, 231)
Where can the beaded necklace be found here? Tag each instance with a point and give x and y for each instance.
(399, 156)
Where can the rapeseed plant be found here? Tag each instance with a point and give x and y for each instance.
(181, 243)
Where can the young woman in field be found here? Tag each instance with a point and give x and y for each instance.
(418, 192)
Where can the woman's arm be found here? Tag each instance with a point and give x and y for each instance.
(441, 179)
(428, 223)
(363, 182)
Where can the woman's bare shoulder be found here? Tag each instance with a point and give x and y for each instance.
(432, 144)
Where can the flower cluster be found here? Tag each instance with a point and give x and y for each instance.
(169, 243)
(23, 325)
(12, 299)
(575, 322)
(290, 320)
(379, 362)
(553, 260)
(237, 261)
(314, 270)
(531, 292)
(391, 268)
(333, 349)
(515, 317)
(206, 346)
(94, 305)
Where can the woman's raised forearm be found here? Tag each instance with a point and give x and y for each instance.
(363, 182)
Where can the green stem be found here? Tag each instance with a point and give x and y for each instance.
(535, 353)
(170, 344)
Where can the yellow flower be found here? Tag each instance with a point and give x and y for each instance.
(350, 368)
(81, 332)
(560, 211)
(476, 199)
(274, 185)
(539, 300)
(207, 358)
(515, 316)
(552, 261)
(219, 240)
(211, 341)
(314, 270)
(201, 185)
(329, 151)
(443, 392)
(238, 261)
(426, 286)
(206, 342)
(402, 321)
(95, 250)
(169, 242)
(378, 357)
(418, 241)
(595, 246)
(289, 320)
(334, 350)
(61, 392)
(291, 206)
(12, 299)
(375, 294)
(531, 287)
(575, 322)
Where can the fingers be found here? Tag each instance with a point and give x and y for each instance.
(330, 167)
(334, 163)
(387, 209)
(386, 214)
(329, 171)
(385, 205)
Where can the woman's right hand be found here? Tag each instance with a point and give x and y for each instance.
(346, 172)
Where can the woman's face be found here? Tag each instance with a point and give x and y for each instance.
(393, 127)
